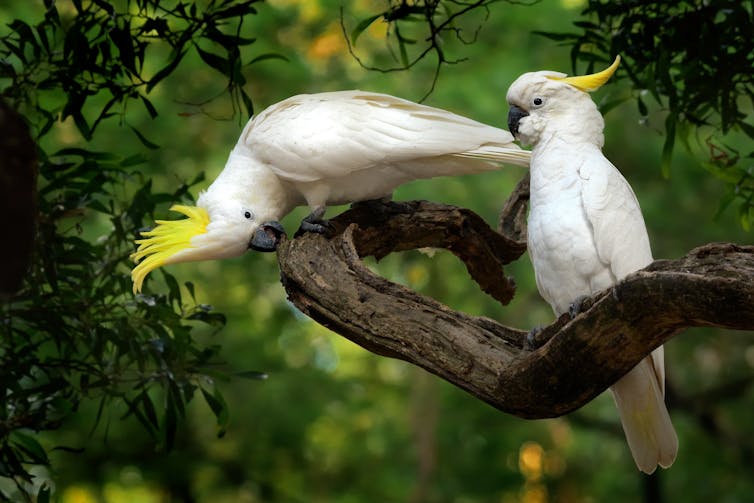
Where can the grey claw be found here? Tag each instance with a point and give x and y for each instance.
(530, 342)
(576, 306)
(314, 222)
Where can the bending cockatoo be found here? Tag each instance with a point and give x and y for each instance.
(586, 232)
(320, 149)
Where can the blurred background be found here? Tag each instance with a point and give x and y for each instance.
(334, 423)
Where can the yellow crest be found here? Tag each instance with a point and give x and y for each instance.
(589, 83)
(165, 240)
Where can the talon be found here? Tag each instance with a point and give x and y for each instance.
(314, 222)
(615, 294)
(530, 341)
(576, 306)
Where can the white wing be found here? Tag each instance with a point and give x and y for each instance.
(614, 213)
(622, 242)
(312, 137)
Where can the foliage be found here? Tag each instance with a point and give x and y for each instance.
(694, 58)
(416, 30)
(74, 332)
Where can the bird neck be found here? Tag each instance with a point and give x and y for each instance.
(555, 163)
(249, 181)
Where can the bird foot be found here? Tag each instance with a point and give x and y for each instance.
(314, 222)
(576, 306)
(530, 341)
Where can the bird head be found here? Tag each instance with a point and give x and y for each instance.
(540, 99)
(219, 226)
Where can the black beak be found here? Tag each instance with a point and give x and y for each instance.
(267, 237)
(514, 116)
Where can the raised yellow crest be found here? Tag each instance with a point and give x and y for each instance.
(589, 83)
(165, 240)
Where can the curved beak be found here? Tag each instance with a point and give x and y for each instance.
(514, 117)
(267, 237)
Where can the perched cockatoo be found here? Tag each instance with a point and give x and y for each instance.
(320, 149)
(586, 232)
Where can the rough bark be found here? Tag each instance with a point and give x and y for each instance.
(561, 368)
(18, 178)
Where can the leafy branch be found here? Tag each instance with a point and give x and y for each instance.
(70, 327)
(438, 20)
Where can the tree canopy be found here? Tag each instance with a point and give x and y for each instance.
(114, 110)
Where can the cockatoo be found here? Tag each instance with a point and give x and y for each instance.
(319, 149)
(586, 232)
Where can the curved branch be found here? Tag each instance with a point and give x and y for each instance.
(576, 358)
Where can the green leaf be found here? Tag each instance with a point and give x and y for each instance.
(235, 10)
(174, 290)
(363, 25)
(667, 148)
(744, 216)
(252, 374)
(211, 319)
(219, 408)
(642, 107)
(214, 61)
(31, 447)
(43, 495)
(747, 128)
(166, 70)
(247, 103)
(190, 287)
(82, 124)
(148, 105)
(121, 37)
(149, 410)
(403, 53)
(143, 139)
(170, 423)
(606, 107)
(268, 55)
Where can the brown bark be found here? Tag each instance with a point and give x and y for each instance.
(574, 360)
(18, 178)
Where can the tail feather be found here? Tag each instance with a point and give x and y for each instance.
(507, 155)
(645, 419)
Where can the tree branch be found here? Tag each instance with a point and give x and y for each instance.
(575, 360)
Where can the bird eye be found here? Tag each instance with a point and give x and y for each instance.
(537, 101)
(248, 214)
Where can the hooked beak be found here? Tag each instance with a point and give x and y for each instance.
(514, 117)
(267, 237)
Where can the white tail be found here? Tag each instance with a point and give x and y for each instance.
(646, 423)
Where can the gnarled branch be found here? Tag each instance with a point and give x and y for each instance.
(575, 360)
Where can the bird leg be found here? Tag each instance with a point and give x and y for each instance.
(314, 222)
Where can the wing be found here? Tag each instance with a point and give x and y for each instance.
(318, 136)
(614, 213)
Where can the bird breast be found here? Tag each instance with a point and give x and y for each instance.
(560, 239)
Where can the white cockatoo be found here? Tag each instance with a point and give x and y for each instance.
(586, 232)
(320, 149)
